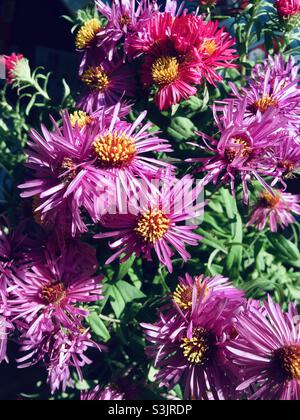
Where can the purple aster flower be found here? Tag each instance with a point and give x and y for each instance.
(59, 350)
(271, 89)
(50, 291)
(244, 150)
(6, 327)
(287, 155)
(107, 83)
(17, 253)
(124, 18)
(64, 178)
(98, 394)
(190, 289)
(155, 223)
(122, 150)
(279, 67)
(190, 350)
(80, 162)
(275, 208)
(268, 352)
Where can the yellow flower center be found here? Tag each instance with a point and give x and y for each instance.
(80, 118)
(270, 200)
(196, 349)
(287, 359)
(53, 293)
(165, 70)
(209, 46)
(95, 78)
(289, 168)
(264, 103)
(68, 166)
(115, 149)
(87, 33)
(152, 226)
(242, 149)
(125, 20)
(183, 294)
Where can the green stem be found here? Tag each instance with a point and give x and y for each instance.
(35, 84)
(109, 319)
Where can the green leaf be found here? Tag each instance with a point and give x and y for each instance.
(182, 128)
(98, 326)
(285, 249)
(67, 90)
(125, 267)
(122, 293)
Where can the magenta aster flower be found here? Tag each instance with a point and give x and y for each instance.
(173, 73)
(190, 289)
(268, 352)
(51, 291)
(107, 83)
(275, 209)
(287, 8)
(60, 350)
(178, 52)
(10, 62)
(214, 46)
(189, 350)
(244, 150)
(98, 394)
(156, 223)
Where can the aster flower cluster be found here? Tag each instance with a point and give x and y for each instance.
(45, 289)
(173, 52)
(112, 202)
(219, 346)
(259, 140)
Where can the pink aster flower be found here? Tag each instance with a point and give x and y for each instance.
(287, 8)
(190, 289)
(268, 352)
(122, 149)
(275, 208)
(60, 350)
(277, 94)
(50, 292)
(190, 350)
(98, 394)
(64, 179)
(107, 82)
(244, 150)
(155, 223)
(10, 62)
